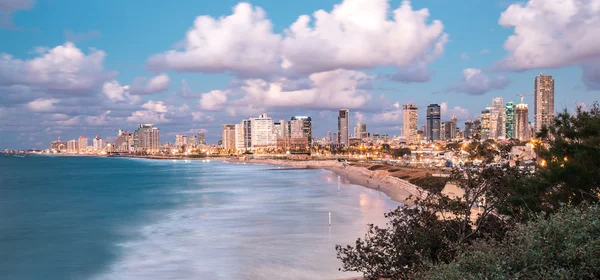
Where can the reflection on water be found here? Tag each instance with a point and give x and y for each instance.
(178, 220)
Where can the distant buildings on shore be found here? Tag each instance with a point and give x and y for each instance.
(500, 121)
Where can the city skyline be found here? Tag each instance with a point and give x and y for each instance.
(64, 75)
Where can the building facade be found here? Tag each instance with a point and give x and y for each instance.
(343, 121)
(510, 119)
(360, 130)
(433, 122)
(83, 144)
(146, 137)
(228, 136)
(543, 101)
(522, 127)
(262, 132)
(411, 122)
(301, 127)
(98, 143)
(468, 133)
(497, 119)
(243, 135)
(485, 123)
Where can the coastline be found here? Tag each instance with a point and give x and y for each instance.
(397, 189)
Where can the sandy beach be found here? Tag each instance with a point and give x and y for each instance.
(397, 189)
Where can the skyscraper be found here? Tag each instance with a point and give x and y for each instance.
(453, 122)
(468, 129)
(485, 123)
(544, 101)
(262, 132)
(98, 143)
(360, 130)
(228, 137)
(497, 119)
(201, 138)
(301, 126)
(411, 122)
(343, 121)
(243, 135)
(510, 120)
(146, 137)
(522, 129)
(433, 122)
(83, 143)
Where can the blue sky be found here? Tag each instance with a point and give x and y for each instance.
(70, 68)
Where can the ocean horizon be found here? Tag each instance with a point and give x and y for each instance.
(125, 218)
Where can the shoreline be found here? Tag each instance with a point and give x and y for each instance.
(395, 188)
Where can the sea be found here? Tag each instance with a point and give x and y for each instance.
(124, 218)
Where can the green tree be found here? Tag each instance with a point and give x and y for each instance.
(565, 245)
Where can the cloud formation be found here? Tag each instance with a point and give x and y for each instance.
(144, 86)
(64, 69)
(552, 34)
(474, 82)
(356, 34)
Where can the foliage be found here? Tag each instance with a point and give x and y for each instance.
(433, 231)
(564, 246)
(400, 152)
(485, 151)
(430, 183)
(572, 155)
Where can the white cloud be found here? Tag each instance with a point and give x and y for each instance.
(100, 120)
(117, 93)
(64, 68)
(474, 82)
(356, 34)
(42, 105)
(241, 42)
(147, 117)
(155, 106)
(359, 34)
(155, 84)
(550, 34)
(213, 100)
(459, 112)
(328, 90)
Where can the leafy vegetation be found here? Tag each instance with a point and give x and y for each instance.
(430, 183)
(501, 222)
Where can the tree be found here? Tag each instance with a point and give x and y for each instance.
(435, 229)
(401, 152)
(569, 158)
(560, 246)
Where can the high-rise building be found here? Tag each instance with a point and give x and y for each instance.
(510, 120)
(497, 119)
(411, 122)
(329, 137)
(146, 137)
(243, 135)
(83, 143)
(522, 127)
(336, 139)
(181, 140)
(468, 133)
(433, 122)
(301, 127)
(98, 143)
(262, 132)
(449, 130)
(277, 129)
(453, 122)
(192, 142)
(485, 123)
(343, 122)
(124, 142)
(476, 127)
(72, 146)
(544, 101)
(285, 131)
(228, 137)
(58, 145)
(360, 130)
(201, 138)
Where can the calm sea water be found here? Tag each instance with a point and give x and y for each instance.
(118, 218)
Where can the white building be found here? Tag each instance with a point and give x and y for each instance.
(243, 135)
(98, 143)
(262, 132)
(498, 119)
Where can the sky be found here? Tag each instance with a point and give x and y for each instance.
(71, 67)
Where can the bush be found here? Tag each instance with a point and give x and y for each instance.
(566, 245)
(430, 183)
